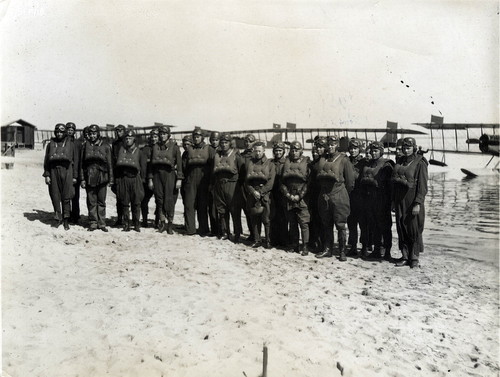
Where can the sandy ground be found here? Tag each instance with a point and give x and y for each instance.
(76, 303)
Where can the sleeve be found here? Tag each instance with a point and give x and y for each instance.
(421, 177)
(348, 175)
(76, 160)
(178, 162)
(46, 172)
(305, 186)
(80, 170)
(270, 183)
(109, 163)
(249, 189)
(149, 171)
(144, 166)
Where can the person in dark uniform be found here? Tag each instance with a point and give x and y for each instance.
(375, 183)
(197, 174)
(226, 180)
(294, 183)
(153, 139)
(60, 173)
(357, 203)
(130, 178)
(247, 154)
(409, 180)
(115, 147)
(186, 141)
(336, 179)
(315, 225)
(164, 176)
(96, 173)
(259, 181)
(212, 211)
(75, 202)
(279, 222)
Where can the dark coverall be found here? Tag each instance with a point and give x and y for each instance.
(260, 175)
(197, 180)
(279, 222)
(357, 205)
(295, 182)
(165, 167)
(59, 166)
(96, 169)
(247, 154)
(375, 181)
(115, 147)
(315, 225)
(75, 201)
(130, 178)
(336, 180)
(227, 174)
(148, 194)
(410, 188)
(213, 215)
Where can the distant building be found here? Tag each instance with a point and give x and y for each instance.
(19, 133)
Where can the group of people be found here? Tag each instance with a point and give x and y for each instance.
(296, 199)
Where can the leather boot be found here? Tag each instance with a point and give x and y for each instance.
(326, 253)
(342, 240)
(305, 250)
(402, 262)
(126, 225)
(267, 239)
(137, 227)
(353, 251)
(161, 226)
(387, 255)
(170, 228)
(376, 255)
(66, 224)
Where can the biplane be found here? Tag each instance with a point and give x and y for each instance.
(458, 138)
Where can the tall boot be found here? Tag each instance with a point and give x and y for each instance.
(342, 240)
(66, 224)
(222, 227)
(126, 225)
(170, 227)
(267, 240)
(137, 227)
(305, 239)
(387, 254)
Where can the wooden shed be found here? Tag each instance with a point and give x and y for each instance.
(19, 133)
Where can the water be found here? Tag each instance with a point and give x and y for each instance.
(463, 215)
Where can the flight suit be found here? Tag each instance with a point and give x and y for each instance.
(96, 170)
(336, 180)
(279, 221)
(295, 176)
(226, 181)
(260, 175)
(59, 166)
(197, 178)
(130, 170)
(375, 184)
(164, 169)
(409, 180)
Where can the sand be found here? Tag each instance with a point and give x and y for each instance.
(78, 303)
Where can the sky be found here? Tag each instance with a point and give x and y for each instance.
(229, 65)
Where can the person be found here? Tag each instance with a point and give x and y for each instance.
(315, 226)
(96, 173)
(164, 176)
(336, 180)
(212, 212)
(75, 201)
(375, 183)
(197, 178)
(409, 180)
(60, 173)
(148, 193)
(356, 199)
(279, 223)
(294, 184)
(227, 174)
(259, 181)
(130, 176)
(186, 142)
(115, 147)
(247, 154)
